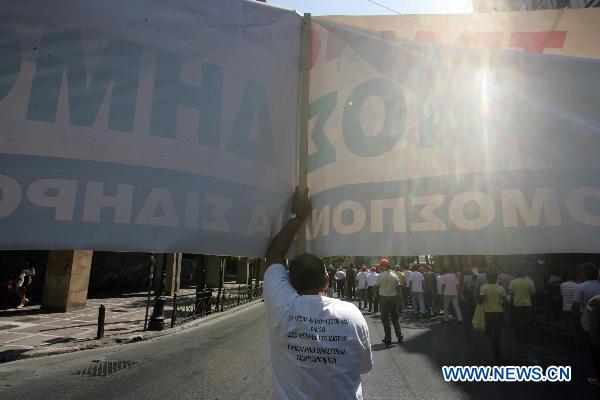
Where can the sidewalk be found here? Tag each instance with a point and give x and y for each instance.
(28, 331)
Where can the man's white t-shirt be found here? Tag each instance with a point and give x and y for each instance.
(372, 278)
(416, 278)
(339, 275)
(450, 282)
(361, 280)
(319, 345)
(407, 273)
(583, 293)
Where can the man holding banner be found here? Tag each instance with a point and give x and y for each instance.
(319, 345)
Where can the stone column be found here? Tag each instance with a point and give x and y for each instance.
(67, 279)
(173, 273)
(173, 266)
(213, 265)
(262, 266)
(243, 271)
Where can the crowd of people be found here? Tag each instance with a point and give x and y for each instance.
(489, 298)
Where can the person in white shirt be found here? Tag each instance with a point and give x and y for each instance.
(340, 282)
(371, 295)
(319, 346)
(583, 293)
(361, 286)
(417, 292)
(567, 292)
(449, 283)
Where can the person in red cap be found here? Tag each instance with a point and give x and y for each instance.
(361, 286)
(388, 290)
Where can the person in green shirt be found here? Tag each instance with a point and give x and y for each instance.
(522, 291)
(491, 296)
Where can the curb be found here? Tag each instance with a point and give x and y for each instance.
(128, 338)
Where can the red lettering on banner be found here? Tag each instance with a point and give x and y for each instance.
(537, 41)
(425, 36)
(335, 46)
(315, 47)
(492, 40)
(388, 35)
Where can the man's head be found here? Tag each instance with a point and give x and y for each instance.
(363, 267)
(590, 271)
(384, 264)
(492, 277)
(308, 275)
(373, 269)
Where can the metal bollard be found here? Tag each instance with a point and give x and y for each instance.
(101, 314)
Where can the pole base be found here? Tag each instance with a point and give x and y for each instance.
(157, 321)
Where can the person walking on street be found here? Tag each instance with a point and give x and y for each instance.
(430, 291)
(567, 292)
(350, 277)
(371, 295)
(491, 296)
(24, 282)
(579, 310)
(521, 293)
(594, 314)
(340, 282)
(467, 289)
(450, 288)
(361, 287)
(416, 292)
(388, 289)
(402, 280)
(331, 285)
(302, 368)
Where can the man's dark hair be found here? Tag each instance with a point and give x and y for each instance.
(307, 273)
(492, 277)
(590, 271)
(571, 274)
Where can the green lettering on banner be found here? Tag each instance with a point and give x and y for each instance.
(393, 126)
(325, 154)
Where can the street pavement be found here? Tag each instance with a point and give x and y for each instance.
(228, 358)
(30, 330)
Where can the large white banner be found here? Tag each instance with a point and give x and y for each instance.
(146, 125)
(422, 148)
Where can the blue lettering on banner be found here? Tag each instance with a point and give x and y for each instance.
(120, 65)
(170, 94)
(10, 64)
(106, 206)
(253, 105)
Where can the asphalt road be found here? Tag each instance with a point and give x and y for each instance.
(228, 358)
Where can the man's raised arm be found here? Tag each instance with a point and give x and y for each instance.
(281, 243)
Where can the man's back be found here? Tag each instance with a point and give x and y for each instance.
(583, 293)
(319, 345)
(416, 279)
(430, 281)
(361, 280)
(522, 290)
(388, 283)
